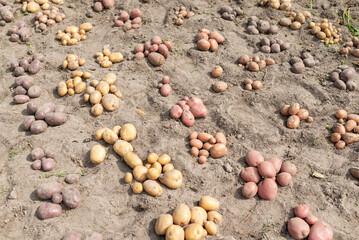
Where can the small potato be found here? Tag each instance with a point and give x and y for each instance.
(181, 215)
(194, 231)
(298, 228)
(36, 165)
(85, 26)
(117, 129)
(72, 178)
(47, 164)
(152, 174)
(48, 210)
(277, 163)
(80, 87)
(140, 173)
(216, 36)
(250, 174)
(172, 179)
(335, 137)
(163, 222)
(293, 122)
(310, 219)
(109, 136)
(176, 112)
(37, 153)
(71, 197)
(266, 169)
(211, 227)
(103, 87)
(116, 57)
(152, 188)
(164, 159)
(284, 178)
(97, 109)
(20, 99)
(99, 133)
(38, 126)
(152, 158)
(203, 45)
(220, 86)
(303, 114)
(47, 190)
(208, 203)
(214, 216)
(301, 211)
(128, 177)
(338, 128)
(156, 59)
(97, 154)
(132, 159)
(217, 71)
(220, 138)
(187, 118)
(249, 190)
(137, 187)
(56, 198)
(289, 168)
(62, 89)
(167, 167)
(354, 172)
(254, 158)
(26, 124)
(196, 143)
(298, 67)
(199, 111)
(175, 232)
(267, 189)
(350, 125)
(157, 166)
(218, 150)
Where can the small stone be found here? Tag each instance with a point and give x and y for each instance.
(228, 168)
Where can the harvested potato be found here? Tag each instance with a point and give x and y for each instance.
(153, 174)
(97, 154)
(99, 133)
(140, 173)
(109, 136)
(289, 168)
(128, 132)
(254, 158)
(211, 227)
(153, 188)
(172, 179)
(249, 190)
(157, 166)
(168, 167)
(194, 231)
(163, 222)
(164, 159)
(298, 228)
(250, 174)
(218, 150)
(301, 211)
(284, 178)
(128, 177)
(47, 190)
(181, 215)
(320, 231)
(71, 197)
(110, 102)
(267, 189)
(266, 169)
(214, 216)
(152, 158)
(198, 215)
(122, 147)
(137, 187)
(209, 203)
(48, 210)
(175, 232)
(132, 159)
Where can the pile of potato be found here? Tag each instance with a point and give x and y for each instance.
(42, 159)
(156, 50)
(343, 78)
(325, 31)
(19, 33)
(295, 21)
(256, 26)
(25, 90)
(103, 94)
(181, 14)
(273, 45)
(295, 114)
(42, 116)
(119, 137)
(249, 84)
(229, 13)
(34, 5)
(254, 64)
(107, 58)
(265, 173)
(157, 167)
(73, 85)
(69, 196)
(101, 4)
(346, 130)
(48, 18)
(299, 64)
(284, 5)
(204, 144)
(309, 227)
(188, 109)
(128, 21)
(31, 65)
(207, 40)
(72, 62)
(351, 47)
(200, 221)
(73, 34)
(6, 12)
(164, 86)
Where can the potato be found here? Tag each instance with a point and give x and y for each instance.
(137, 187)
(55, 118)
(132, 160)
(168, 167)
(338, 128)
(194, 231)
(61, 88)
(71, 197)
(216, 36)
(152, 158)
(250, 174)
(56, 198)
(34, 67)
(164, 159)
(80, 87)
(156, 59)
(38, 126)
(47, 190)
(34, 92)
(211, 227)
(172, 179)
(99, 133)
(284, 178)
(198, 215)
(110, 78)
(218, 150)
(97, 109)
(354, 117)
(48, 210)
(176, 112)
(153, 174)
(354, 172)
(157, 166)
(165, 90)
(128, 177)
(289, 168)
(47, 164)
(350, 137)
(85, 26)
(266, 169)
(209, 203)
(181, 215)
(109, 136)
(335, 137)
(153, 188)
(254, 158)
(20, 99)
(116, 57)
(128, 132)
(97, 154)
(175, 232)
(103, 87)
(28, 122)
(163, 222)
(44, 109)
(220, 86)
(267, 189)
(214, 216)
(310, 219)
(277, 163)
(72, 178)
(203, 45)
(37, 153)
(350, 125)
(298, 228)
(301, 211)
(249, 190)
(293, 122)
(140, 173)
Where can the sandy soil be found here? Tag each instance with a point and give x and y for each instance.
(250, 120)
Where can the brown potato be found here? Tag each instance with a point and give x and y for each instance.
(220, 86)
(249, 190)
(103, 87)
(122, 147)
(128, 177)
(203, 45)
(153, 188)
(181, 215)
(350, 125)
(303, 114)
(293, 122)
(214, 216)
(172, 179)
(128, 132)
(140, 173)
(209, 203)
(217, 71)
(95, 97)
(218, 150)
(153, 173)
(152, 158)
(163, 222)
(110, 102)
(156, 59)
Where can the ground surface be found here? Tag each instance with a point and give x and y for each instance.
(250, 120)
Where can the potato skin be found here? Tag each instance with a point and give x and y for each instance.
(156, 59)
(187, 118)
(172, 179)
(28, 122)
(298, 228)
(277, 163)
(267, 189)
(163, 222)
(71, 236)
(140, 173)
(109, 136)
(175, 232)
(194, 231)
(289, 168)
(47, 190)
(293, 122)
(284, 178)
(249, 190)
(153, 188)
(209, 203)
(55, 118)
(71, 197)
(198, 215)
(176, 112)
(250, 174)
(48, 210)
(44, 109)
(181, 215)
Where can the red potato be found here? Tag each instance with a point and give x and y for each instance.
(47, 164)
(199, 111)
(139, 55)
(156, 40)
(162, 49)
(254, 158)
(301, 211)
(354, 117)
(267, 189)
(220, 138)
(37, 153)
(202, 35)
(250, 174)
(320, 231)
(298, 228)
(28, 122)
(284, 178)
(176, 111)
(44, 109)
(168, 45)
(20, 99)
(194, 151)
(249, 190)
(350, 125)
(187, 118)
(36, 165)
(71, 235)
(139, 48)
(310, 219)
(71, 197)
(31, 107)
(135, 13)
(213, 45)
(49, 210)
(204, 137)
(165, 90)
(108, 3)
(55, 118)
(196, 143)
(289, 168)
(266, 169)
(194, 101)
(156, 59)
(277, 163)
(46, 190)
(38, 126)
(72, 178)
(218, 150)
(203, 45)
(216, 36)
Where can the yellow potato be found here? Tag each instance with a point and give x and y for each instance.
(96, 109)
(90, 89)
(95, 97)
(117, 129)
(32, 7)
(72, 29)
(116, 57)
(214, 216)
(82, 61)
(86, 26)
(148, 165)
(137, 187)
(211, 227)
(164, 159)
(86, 97)
(140, 173)
(162, 223)
(106, 64)
(64, 64)
(87, 75)
(113, 89)
(118, 94)
(106, 52)
(128, 177)
(99, 133)
(181, 215)
(132, 159)
(110, 78)
(71, 42)
(157, 166)
(80, 87)
(153, 188)
(152, 158)
(122, 147)
(198, 215)
(76, 80)
(97, 154)
(194, 231)
(70, 91)
(209, 203)
(174, 232)
(153, 173)
(128, 132)
(110, 102)
(94, 82)
(109, 136)
(168, 167)
(103, 87)
(77, 74)
(172, 179)
(62, 89)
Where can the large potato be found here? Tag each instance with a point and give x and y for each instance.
(163, 222)
(250, 174)
(254, 158)
(44, 109)
(209, 203)
(55, 118)
(153, 188)
(110, 102)
(174, 232)
(122, 147)
(38, 126)
(218, 150)
(97, 154)
(298, 228)
(47, 190)
(267, 189)
(128, 132)
(320, 231)
(194, 231)
(198, 215)
(266, 169)
(132, 159)
(182, 215)
(49, 210)
(71, 197)
(140, 173)
(172, 179)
